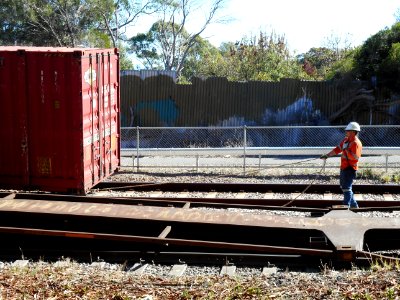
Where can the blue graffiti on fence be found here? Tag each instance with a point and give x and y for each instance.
(301, 112)
(166, 109)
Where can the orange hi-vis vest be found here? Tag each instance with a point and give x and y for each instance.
(351, 149)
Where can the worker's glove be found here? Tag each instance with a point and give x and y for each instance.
(324, 156)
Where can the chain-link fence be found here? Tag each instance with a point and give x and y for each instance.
(220, 147)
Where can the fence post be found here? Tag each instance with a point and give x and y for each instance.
(244, 148)
(137, 148)
(387, 162)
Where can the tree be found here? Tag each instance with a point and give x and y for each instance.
(340, 45)
(343, 68)
(93, 23)
(390, 71)
(203, 60)
(318, 61)
(265, 57)
(377, 58)
(125, 63)
(125, 13)
(147, 48)
(167, 44)
(8, 21)
(51, 22)
(375, 65)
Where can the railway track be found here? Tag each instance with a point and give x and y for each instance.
(196, 229)
(245, 187)
(211, 201)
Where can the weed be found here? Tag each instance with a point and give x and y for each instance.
(325, 268)
(386, 178)
(238, 289)
(390, 293)
(396, 177)
(254, 291)
(186, 295)
(367, 297)
(385, 265)
(367, 173)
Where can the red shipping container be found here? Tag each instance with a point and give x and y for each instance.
(59, 121)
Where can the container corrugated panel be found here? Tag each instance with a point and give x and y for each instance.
(59, 123)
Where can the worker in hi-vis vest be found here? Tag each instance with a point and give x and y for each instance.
(351, 148)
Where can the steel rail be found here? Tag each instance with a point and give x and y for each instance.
(309, 205)
(166, 241)
(195, 258)
(374, 257)
(244, 187)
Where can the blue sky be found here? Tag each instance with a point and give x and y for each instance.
(305, 23)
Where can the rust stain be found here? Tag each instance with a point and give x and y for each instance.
(332, 219)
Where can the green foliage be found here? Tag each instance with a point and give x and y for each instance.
(125, 63)
(396, 177)
(186, 295)
(148, 46)
(319, 62)
(368, 173)
(168, 46)
(390, 68)
(386, 178)
(71, 23)
(390, 178)
(378, 56)
(343, 67)
(11, 13)
(98, 38)
(378, 265)
(52, 23)
(203, 60)
(265, 57)
(372, 53)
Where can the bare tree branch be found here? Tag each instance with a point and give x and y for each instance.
(44, 24)
(124, 15)
(176, 48)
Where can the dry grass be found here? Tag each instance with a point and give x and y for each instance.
(74, 281)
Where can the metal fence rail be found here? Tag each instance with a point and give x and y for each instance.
(227, 147)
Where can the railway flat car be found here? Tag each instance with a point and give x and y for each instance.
(59, 117)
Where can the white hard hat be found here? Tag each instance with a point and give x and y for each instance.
(353, 126)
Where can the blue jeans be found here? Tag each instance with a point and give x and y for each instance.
(347, 177)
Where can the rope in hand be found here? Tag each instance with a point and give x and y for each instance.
(312, 182)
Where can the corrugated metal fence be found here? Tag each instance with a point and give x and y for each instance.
(159, 101)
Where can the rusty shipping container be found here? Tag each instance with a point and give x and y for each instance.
(59, 121)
